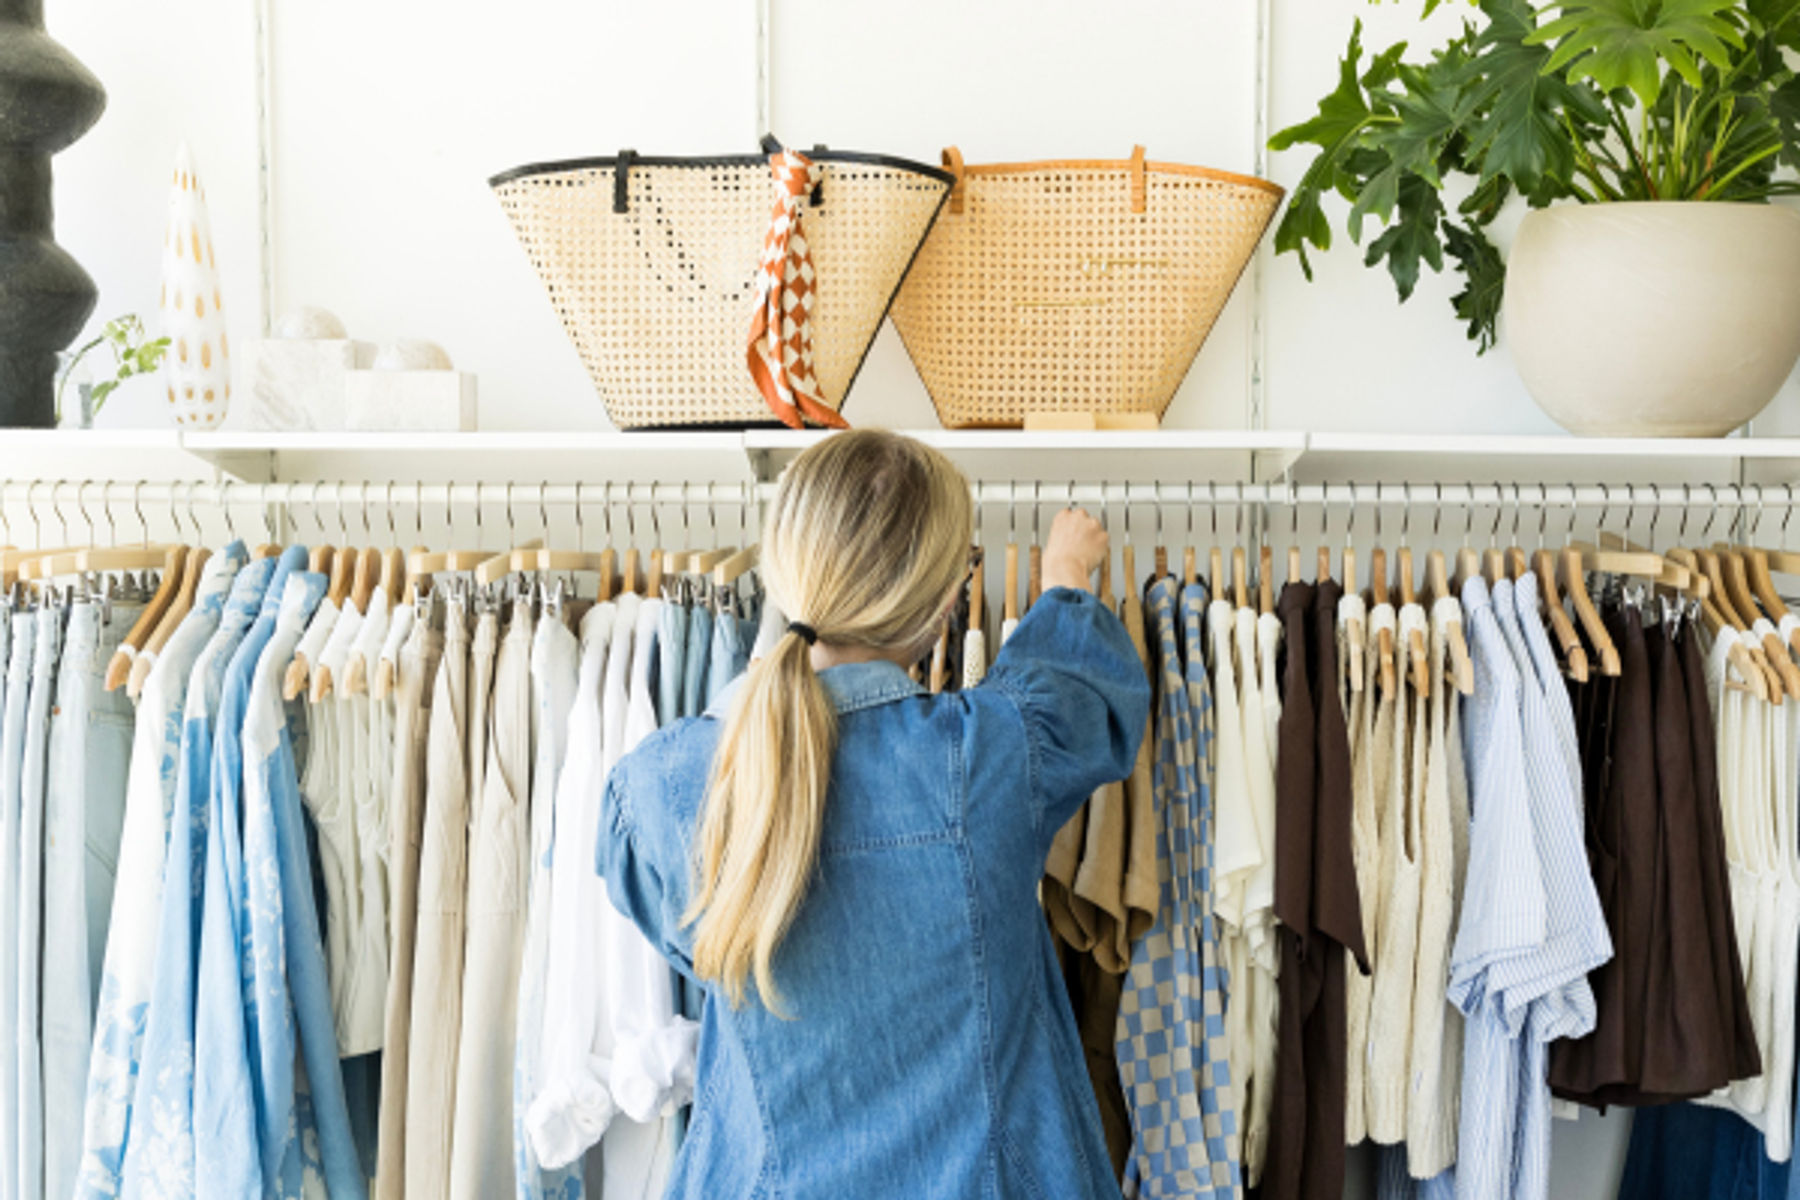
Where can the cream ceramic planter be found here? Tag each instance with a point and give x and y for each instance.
(1667, 319)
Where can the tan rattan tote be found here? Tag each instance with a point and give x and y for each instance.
(1074, 286)
(652, 262)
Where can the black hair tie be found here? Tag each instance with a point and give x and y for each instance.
(806, 632)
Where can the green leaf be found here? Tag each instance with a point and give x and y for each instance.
(1777, 19)
(1485, 281)
(1520, 134)
(1412, 238)
(1784, 109)
(1342, 117)
(100, 391)
(1622, 43)
(1430, 111)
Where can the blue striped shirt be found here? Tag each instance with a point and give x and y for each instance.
(1531, 926)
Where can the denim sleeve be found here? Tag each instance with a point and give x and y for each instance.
(633, 880)
(1080, 688)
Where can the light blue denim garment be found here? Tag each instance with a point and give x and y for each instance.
(137, 900)
(12, 761)
(44, 652)
(952, 1069)
(731, 641)
(287, 996)
(226, 1162)
(670, 648)
(159, 1154)
(696, 661)
(84, 811)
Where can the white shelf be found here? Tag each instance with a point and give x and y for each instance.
(574, 456)
(1532, 459)
(1001, 455)
(1174, 456)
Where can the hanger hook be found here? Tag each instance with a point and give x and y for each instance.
(1788, 514)
(580, 530)
(37, 533)
(81, 507)
(655, 519)
(1469, 515)
(1687, 506)
(1127, 510)
(1190, 512)
(393, 534)
(1037, 502)
(62, 522)
(1756, 529)
(1655, 511)
(511, 529)
(1212, 508)
(1605, 507)
(137, 506)
(1712, 513)
(1405, 513)
(269, 521)
(1293, 493)
(1499, 515)
(1437, 512)
(1518, 512)
(1238, 514)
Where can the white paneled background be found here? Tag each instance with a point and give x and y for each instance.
(385, 118)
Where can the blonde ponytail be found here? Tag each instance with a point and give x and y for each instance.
(865, 544)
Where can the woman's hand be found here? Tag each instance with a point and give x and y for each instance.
(1076, 548)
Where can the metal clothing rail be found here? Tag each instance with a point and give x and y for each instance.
(1608, 498)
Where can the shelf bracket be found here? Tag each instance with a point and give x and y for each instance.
(1266, 465)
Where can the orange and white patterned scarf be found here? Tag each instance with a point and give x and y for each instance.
(781, 338)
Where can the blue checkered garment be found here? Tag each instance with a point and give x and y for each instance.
(1171, 1030)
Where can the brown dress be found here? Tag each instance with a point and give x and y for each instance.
(1316, 902)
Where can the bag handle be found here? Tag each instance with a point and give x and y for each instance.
(622, 180)
(953, 160)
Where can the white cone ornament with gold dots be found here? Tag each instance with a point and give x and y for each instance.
(197, 367)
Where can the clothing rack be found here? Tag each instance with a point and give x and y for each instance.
(1028, 493)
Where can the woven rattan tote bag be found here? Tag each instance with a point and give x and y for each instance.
(1074, 286)
(653, 266)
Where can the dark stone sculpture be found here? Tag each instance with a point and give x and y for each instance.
(47, 101)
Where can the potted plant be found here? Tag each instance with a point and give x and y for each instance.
(1651, 289)
(134, 353)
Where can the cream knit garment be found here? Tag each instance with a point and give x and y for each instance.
(1399, 768)
(1261, 698)
(1436, 1060)
(1237, 848)
(1359, 711)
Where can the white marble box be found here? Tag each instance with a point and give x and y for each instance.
(299, 383)
(421, 401)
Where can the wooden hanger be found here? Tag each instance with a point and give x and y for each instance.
(978, 586)
(1575, 660)
(1575, 583)
(1384, 637)
(118, 668)
(1416, 652)
(1009, 604)
(1735, 569)
(1265, 583)
(191, 573)
(1240, 591)
(1756, 680)
(733, 568)
(1462, 667)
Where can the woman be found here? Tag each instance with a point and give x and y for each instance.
(850, 865)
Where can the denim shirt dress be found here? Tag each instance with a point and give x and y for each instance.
(931, 1050)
